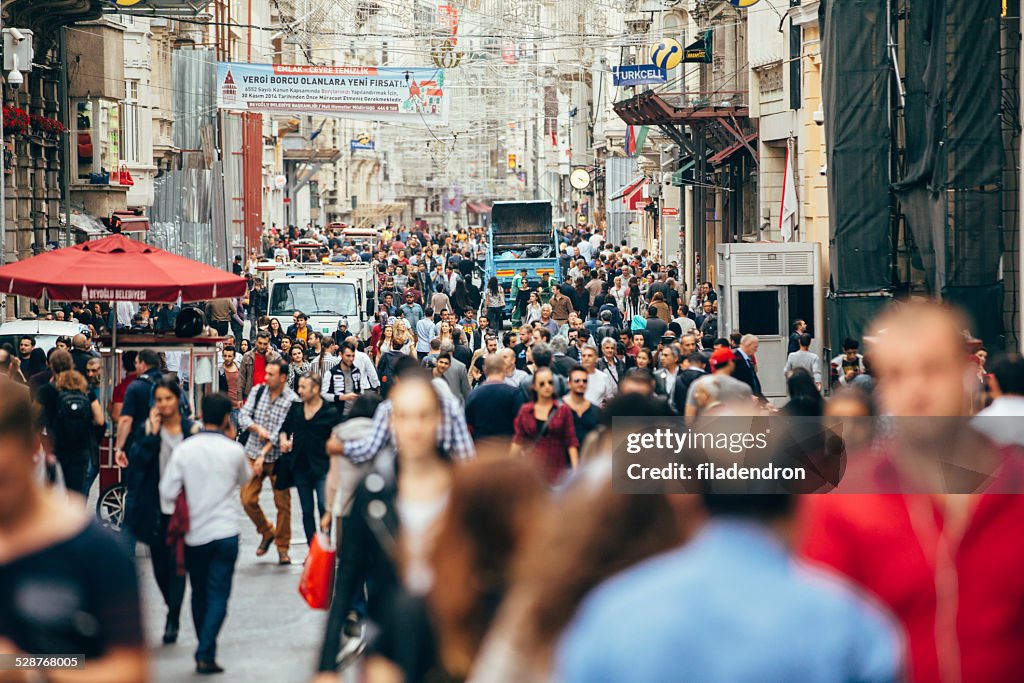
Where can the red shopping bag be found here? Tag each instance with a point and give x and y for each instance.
(318, 573)
(124, 177)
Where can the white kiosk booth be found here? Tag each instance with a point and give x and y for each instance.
(762, 288)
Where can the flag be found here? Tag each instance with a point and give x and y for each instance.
(316, 133)
(635, 140)
(789, 214)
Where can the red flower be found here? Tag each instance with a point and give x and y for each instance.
(15, 120)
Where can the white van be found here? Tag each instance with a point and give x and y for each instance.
(45, 332)
(327, 294)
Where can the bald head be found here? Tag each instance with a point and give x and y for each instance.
(918, 354)
(80, 342)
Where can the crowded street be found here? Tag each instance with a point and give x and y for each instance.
(509, 341)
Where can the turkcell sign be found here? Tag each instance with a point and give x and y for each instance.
(639, 74)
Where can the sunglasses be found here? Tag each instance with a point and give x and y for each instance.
(580, 380)
(545, 383)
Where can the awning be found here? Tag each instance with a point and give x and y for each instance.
(730, 150)
(679, 177)
(628, 189)
(635, 199)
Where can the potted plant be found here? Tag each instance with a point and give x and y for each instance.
(16, 120)
(48, 128)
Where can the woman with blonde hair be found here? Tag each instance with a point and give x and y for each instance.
(403, 340)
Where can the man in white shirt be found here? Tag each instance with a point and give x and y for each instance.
(209, 468)
(586, 250)
(600, 386)
(368, 372)
(1001, 421)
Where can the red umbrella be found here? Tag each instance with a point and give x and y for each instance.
(116, 268)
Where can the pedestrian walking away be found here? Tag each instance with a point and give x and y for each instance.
(203, 474)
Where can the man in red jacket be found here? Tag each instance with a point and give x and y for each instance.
(947, 565)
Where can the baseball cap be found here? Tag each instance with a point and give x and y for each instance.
(720, 357)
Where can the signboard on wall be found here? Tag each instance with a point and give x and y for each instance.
(639, 74)
(374, 93)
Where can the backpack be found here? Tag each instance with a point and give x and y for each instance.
(73, 418)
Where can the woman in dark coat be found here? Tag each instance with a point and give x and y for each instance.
(144, 518)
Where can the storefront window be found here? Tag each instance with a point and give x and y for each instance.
(97, 138)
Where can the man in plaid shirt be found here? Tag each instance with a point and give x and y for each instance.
(452, 435)
(262, 416)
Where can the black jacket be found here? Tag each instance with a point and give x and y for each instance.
(616, 369)
(142, 481)
(746, 374)
(683, 381)
(367, 556)
(310, 445)
(604, 331)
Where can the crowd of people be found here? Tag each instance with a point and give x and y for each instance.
(460, 452)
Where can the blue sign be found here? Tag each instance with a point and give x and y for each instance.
(360, 144)
(639, 74)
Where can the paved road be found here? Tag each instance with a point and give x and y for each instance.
(270, 633)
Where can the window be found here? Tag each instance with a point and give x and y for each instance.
(769, 78)
(130, 133)
(97, 135)
(322, 298)
(759, 312)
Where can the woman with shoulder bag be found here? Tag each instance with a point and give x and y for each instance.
(544, 430)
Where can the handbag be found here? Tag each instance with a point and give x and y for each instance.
(318, 573)
(284, 472)
(243, 436)
(284, 467)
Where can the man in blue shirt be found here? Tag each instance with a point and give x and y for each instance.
(732, 605)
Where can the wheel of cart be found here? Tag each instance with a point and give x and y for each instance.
(110, 504)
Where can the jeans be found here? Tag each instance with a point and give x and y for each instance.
(211, 567)
(236, 331)
(221, 326)
(307, 484)
(494, 317)
(92, 470)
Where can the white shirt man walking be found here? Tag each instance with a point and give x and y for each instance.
(209, 467)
